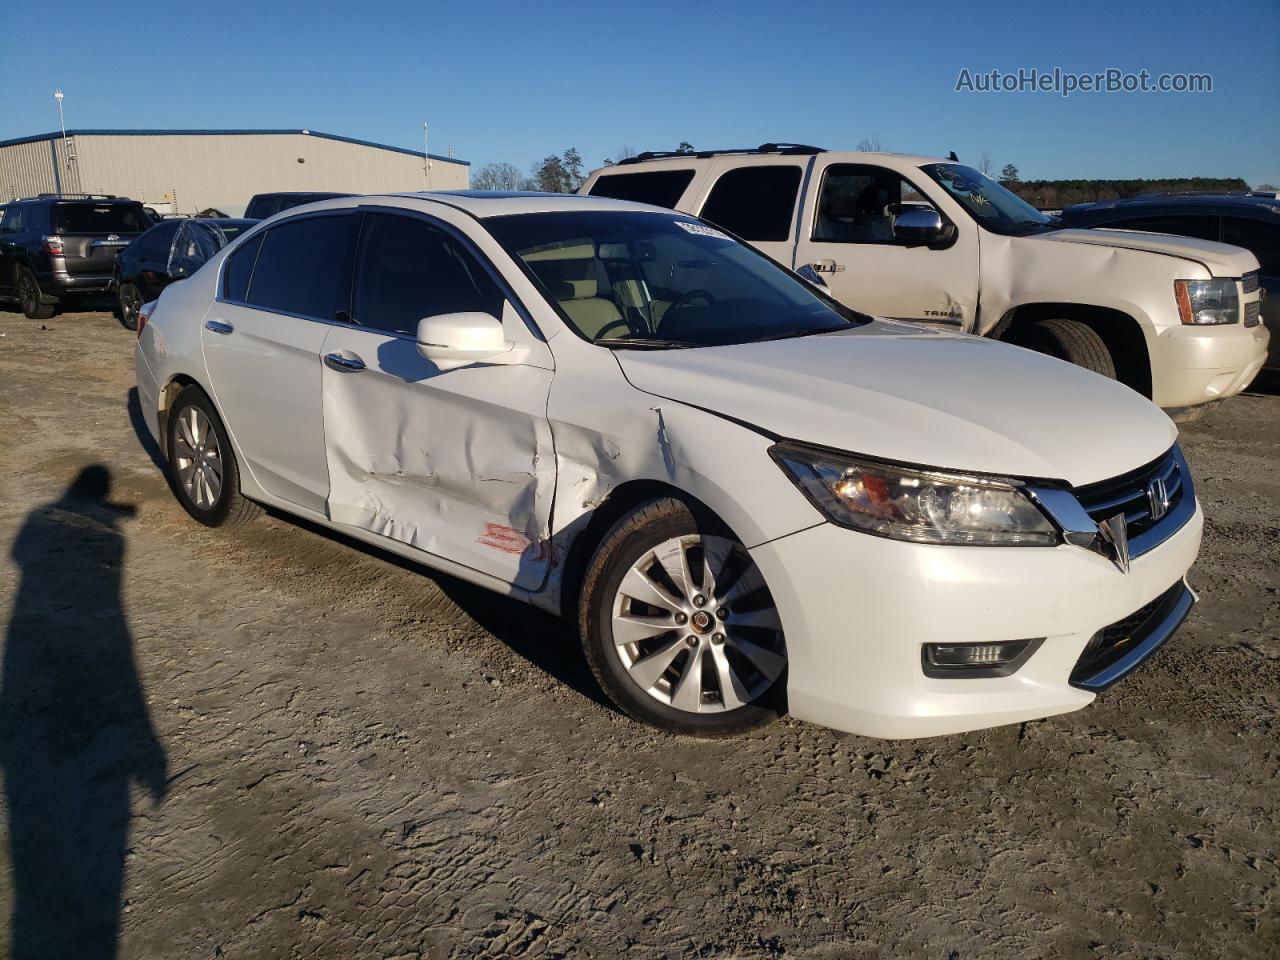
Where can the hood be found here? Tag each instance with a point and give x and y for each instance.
(902, 392)
(1220, 259)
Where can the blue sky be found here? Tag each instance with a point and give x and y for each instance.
(507, 81)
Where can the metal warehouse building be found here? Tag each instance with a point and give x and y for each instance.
(186, 171)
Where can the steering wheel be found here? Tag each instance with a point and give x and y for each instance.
(687, 298)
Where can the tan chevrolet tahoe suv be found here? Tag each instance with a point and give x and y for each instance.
(926, 239)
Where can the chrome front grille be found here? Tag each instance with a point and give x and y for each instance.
(1249, 282)
(1252, 313)
(1148, 497)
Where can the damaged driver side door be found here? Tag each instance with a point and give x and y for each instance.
(456, 462)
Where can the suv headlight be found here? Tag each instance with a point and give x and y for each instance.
(1207, 301)
(924, 506)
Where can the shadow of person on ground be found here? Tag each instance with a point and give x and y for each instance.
(74, 727)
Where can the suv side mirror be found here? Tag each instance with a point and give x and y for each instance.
(918, 226)
(457, 339)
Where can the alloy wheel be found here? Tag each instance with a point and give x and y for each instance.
(198, 458)
(695, 626)
(130, 305)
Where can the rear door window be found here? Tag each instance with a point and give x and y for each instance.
(105, 218)
(662, 188)
(1200, 226)
(756, 203)
(407, 269)
(304, 267)
(1259, 238)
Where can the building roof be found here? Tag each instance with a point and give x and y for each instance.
(35, 138)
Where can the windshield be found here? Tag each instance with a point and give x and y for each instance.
(657, 280)
(986, 201)
(107, 218)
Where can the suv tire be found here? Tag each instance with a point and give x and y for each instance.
(203, 472)
(1068, 340)
(715, 634)
(30, 296)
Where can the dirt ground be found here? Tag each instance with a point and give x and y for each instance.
(296, 747)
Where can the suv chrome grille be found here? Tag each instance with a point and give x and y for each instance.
(1137, 493)
(1249, 282)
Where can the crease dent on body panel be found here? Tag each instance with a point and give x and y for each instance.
(664, 443)
(427, 480)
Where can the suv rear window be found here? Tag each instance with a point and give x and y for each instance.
(662, 188)
(756, 203)
(100, 218)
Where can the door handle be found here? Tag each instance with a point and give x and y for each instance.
(337, 361)
(827, 266)
(217, 326)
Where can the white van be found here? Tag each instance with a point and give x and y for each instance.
(926, 239)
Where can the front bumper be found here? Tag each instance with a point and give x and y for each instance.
(1192, 365)
(857, 610)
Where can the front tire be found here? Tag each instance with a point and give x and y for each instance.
(31, 298)
(203, 472)
(678, 625)
(1068, 340)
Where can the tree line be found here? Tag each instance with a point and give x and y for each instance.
(1056, 194)
(554, 173)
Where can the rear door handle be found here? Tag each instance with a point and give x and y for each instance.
(337, 361)
(217, 326)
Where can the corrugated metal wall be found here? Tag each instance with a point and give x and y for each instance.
(196, 171)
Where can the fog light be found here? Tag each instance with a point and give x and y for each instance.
(976, 659)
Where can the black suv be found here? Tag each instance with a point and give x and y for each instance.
(265, 205)
(1244, 220)
(56, 248)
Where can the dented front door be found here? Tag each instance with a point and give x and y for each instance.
(846, 237)
(455, 462)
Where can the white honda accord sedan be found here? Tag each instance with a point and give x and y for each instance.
(748, 497)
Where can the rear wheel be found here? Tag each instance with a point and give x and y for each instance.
(679, 626)
(1068, 340)
(203, 471)
(130, 305)
(30, 297)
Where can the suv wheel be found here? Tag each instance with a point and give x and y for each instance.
(1068, 340)
(130, 305)
(202, 467)
(29, 296)
(679, 626)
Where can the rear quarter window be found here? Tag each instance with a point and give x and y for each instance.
(661, 188)
(238, 269)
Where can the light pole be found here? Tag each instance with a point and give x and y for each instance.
(62, 122)
(426, 155)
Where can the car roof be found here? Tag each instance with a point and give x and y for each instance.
(482, 204)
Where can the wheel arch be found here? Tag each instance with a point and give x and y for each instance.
(595, 526)
(1121, 332)
(177, 383)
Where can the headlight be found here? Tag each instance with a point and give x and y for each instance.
(1207, 301)
(924, 506)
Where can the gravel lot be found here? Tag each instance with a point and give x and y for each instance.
(301, 748)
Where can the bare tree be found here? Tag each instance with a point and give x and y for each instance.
(499, 176)
(985, 165)
(869, 145)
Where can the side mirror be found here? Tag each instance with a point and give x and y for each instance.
(918, 226)
(457, 339)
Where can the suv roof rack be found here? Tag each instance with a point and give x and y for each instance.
(798, 149)
(73, 196)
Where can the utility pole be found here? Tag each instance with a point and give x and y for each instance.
(426, 155)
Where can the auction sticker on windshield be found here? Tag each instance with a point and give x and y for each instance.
(701, 230)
